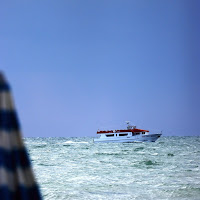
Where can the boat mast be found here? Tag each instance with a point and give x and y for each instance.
(129, 126)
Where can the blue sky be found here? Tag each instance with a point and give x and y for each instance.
(78, 66)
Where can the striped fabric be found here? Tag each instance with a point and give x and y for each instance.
(16, 176)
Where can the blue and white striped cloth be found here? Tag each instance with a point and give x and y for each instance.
(16, 175)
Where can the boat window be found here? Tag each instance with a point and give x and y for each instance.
(135, 133)
(123, 134)
(143, 132)
(110, 135)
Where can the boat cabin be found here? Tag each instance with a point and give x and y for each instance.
(122, 133)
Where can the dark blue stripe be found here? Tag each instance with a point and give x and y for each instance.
(22, 193)
(10, 160)
(4, 87)
(9, 120)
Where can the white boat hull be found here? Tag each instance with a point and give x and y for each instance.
(130, 139)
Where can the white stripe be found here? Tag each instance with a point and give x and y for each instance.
(20, 177)
(6, 101)
(11, 140)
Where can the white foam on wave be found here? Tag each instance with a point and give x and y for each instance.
(72, 142)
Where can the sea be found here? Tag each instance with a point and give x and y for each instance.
(78, 169)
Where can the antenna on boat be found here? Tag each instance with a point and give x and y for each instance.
(130, 126)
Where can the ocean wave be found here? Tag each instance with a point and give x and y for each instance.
(139, 148)
(77, 168)
(39, 145)
(109, 154)
(148, 163)
(73, 142)
(46, 164)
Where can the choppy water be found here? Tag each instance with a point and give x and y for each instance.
(76, 168)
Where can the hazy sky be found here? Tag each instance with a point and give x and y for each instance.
(78, 66)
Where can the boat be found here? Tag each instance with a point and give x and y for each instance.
(129, 135)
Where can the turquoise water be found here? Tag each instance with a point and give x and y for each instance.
(76, 168)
